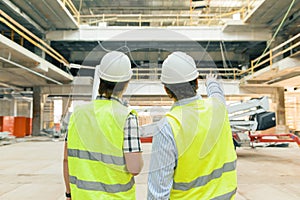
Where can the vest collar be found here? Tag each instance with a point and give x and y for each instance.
(111, 98)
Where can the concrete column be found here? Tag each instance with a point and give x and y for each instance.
(280, 110)
(31, 109)
(14, 107)
(38, 106)
(66, 103)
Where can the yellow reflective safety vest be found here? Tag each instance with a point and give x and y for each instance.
(206, 167)
(95, 152)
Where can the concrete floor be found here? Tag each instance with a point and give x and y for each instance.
(33, 170)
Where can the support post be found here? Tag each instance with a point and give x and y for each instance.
(66, 103)
(38, 106)
(280, 111)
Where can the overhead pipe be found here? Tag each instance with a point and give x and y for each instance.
(32, 71)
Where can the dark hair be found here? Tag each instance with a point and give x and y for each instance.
(180, 91)
(107, 88)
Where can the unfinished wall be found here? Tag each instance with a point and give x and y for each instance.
(292, 110)
(6, 107)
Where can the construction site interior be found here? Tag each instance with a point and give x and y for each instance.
(49, 50)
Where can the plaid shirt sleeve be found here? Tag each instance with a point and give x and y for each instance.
(131, 135)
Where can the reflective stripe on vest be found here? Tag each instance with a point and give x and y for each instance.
(228, 195)
(97, 167)
(203, 180)
(206, 165)
(108, 159)
(98, 186)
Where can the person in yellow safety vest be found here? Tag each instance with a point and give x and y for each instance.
(193, 155)
(102, 149)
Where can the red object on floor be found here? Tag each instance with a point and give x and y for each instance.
(28, 126)
(20, 127)
(146, 139)
(7, 124)
(265, 138)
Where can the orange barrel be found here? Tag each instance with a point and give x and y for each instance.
(7, 124)
(20, 127)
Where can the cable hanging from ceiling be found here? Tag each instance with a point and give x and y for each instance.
(277, 31)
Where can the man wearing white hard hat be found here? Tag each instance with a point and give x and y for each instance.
(102, 151)
(193, 156)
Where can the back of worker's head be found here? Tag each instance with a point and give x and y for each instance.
(179, 76)
(114, 73)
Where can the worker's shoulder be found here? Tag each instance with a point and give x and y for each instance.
(214, 100)
(215, 103)
(83, 107)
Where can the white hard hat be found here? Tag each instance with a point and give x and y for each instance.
(178, 68)
(115, 66)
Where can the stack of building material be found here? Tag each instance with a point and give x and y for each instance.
(292, 110)
(6, 138)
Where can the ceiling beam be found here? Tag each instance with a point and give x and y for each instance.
(142, 55)
(89, 33)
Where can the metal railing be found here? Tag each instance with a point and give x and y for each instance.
(267, 59)
(189, 17)
(30, 37)
(155, 73)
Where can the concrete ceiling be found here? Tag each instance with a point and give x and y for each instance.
(156, 11)
(53, 15)
(40, 15)
(21, 68)
(270, 13)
